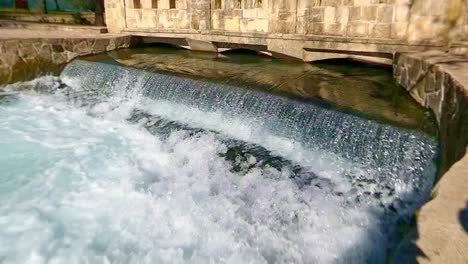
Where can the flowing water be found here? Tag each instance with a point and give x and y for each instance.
(113, 164)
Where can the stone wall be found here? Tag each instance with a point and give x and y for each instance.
(409, 21)
(115, 13)
(437, 21)
(241, 16)
(163, 17)
(21, 59)
(439, 82)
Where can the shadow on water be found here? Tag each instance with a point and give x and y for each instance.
(409, 252)
(463, 217)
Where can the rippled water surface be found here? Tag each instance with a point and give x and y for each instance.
(111, 164)
(344, 85)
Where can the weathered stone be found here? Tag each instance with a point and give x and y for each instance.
(68, 44)
(71, 55)
(111, 45)
(440, 80)
(81, 47)
(381, 31)
(45, 51)
(333, 29)
(385, 13)
(315, 28)
(26, 50)
(57, 48)
(358, 29)
(23, 58)
(437, 80)
(417, 21)
(201, 45)
(59, 58)
(11, 47)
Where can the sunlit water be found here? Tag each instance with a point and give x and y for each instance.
(97, 168)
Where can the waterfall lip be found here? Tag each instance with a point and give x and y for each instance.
(69, 80)
(307, 101)
(370, 91)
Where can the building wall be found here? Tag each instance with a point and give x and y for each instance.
(436, 20)
(63, 5)
(148, 17)
(240, 16)
(411, 21)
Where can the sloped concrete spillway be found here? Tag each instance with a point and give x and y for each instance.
(137, 166)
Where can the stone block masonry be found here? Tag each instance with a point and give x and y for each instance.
(24, 53)
(308, 30)
(439, 81)
(410, 21)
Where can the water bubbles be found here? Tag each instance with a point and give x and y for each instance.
(197, 175)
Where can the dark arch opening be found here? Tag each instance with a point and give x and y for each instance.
(244, 55)
(241, 51)
(350, 65)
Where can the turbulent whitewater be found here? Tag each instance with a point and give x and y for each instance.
(112, 164)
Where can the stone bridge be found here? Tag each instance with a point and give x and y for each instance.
(304, 29)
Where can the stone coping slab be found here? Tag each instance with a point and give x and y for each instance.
(193, 33)
(10, 34)
(5, 23)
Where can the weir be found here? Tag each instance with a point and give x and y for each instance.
(388, 156)
(218, 152)
(146, 164)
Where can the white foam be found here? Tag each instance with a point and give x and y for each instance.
(78, 188)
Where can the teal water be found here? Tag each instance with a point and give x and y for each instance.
(110, 164)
